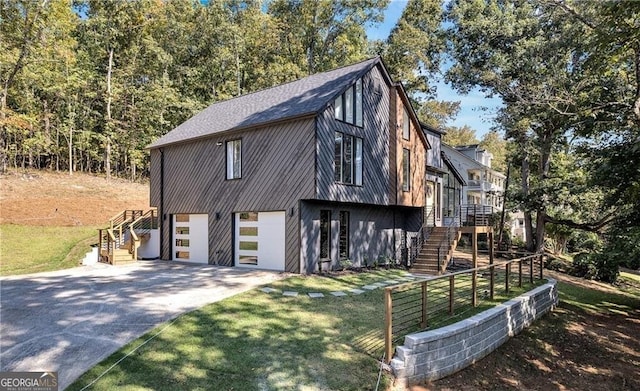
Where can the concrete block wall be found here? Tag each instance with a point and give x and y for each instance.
(434, 354)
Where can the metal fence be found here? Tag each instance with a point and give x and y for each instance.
(436, 301)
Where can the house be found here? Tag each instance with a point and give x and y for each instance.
(330, 167)
(484, 190)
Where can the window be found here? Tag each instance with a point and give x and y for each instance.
(348, 159)
(405, 124)
(325, 234)
(234, 159)
(348, 106)
(344, 235)
(406, 170)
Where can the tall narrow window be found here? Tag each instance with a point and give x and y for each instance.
(406, 170)
(359, 102)
(325, 234)
(405, 124)
(338, 157)
(234, 159)
(358, 162)
(348, 106)
(348, 159)
(344, 235)
(347, 167)
(338, 106)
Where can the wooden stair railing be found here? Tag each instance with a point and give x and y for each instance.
(113, 238)
(141, 228)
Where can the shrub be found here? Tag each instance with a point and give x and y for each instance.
(595, 266)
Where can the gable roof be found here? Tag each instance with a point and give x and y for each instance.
(299, 98)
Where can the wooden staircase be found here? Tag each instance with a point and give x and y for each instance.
(119, 243)
(436, 251)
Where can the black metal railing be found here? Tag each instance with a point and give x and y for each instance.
(444, 247)
(476, 215)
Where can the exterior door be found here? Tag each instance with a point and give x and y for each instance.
(430, 207)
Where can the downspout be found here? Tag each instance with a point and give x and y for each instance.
(162, 215)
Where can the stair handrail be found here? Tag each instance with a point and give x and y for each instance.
(454, 223)
(152, 216)
(422, 236)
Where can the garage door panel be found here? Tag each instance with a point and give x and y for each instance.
(260, 240)
(191, 238)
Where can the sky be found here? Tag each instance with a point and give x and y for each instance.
(471, 105)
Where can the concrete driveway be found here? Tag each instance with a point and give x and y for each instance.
(70, 320)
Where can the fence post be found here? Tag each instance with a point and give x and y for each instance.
(541, 265)
(491, 281)
(474, 288)
(520, 273)
(507, 272)
(423, 322)
(530, 270)
(451, 293)
(388, 334)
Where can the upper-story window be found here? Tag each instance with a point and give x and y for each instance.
(348, 106)
(348, 159)
(405, 124)
(234, 159)
(406, 170)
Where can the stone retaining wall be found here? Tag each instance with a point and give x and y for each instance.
(434, 354)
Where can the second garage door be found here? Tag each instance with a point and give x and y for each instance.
(260, 240)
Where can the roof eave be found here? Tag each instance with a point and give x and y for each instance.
(233, 130)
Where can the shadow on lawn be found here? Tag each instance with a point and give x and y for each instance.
(256, 341)
(67, 323)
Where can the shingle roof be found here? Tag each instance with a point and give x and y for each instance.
(298, 98)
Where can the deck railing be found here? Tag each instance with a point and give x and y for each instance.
(115, 235)
(477, 215)
(431, 302)
(142, 226)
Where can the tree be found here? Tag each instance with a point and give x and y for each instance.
(464, 135)
(320, 35)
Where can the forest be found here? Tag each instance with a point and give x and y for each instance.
(87, 84)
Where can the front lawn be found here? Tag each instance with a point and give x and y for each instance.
(31, 249)
(263, 341)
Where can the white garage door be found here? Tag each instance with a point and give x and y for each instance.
(191, 238)
(260, 240)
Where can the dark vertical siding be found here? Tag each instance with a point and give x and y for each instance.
(154, 180)
(393, 150)
(375, 134)
(277, 171)
(371, 232)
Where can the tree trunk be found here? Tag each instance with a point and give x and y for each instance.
(528, 225)
(107, 155)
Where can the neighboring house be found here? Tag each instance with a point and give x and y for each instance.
(326, 168)
(484, 185)
(517, 226)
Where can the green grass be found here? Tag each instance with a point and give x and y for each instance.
(257, 341)
(32, 249)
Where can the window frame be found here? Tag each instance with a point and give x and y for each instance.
(406, 124)
(325, 213)
(348, 165)
(230, 173)
(406, 169)
(355, 116)
(345, 222)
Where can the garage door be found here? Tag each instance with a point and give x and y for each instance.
(191, 238)
(260, 240)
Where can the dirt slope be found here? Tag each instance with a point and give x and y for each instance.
(46, 198)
